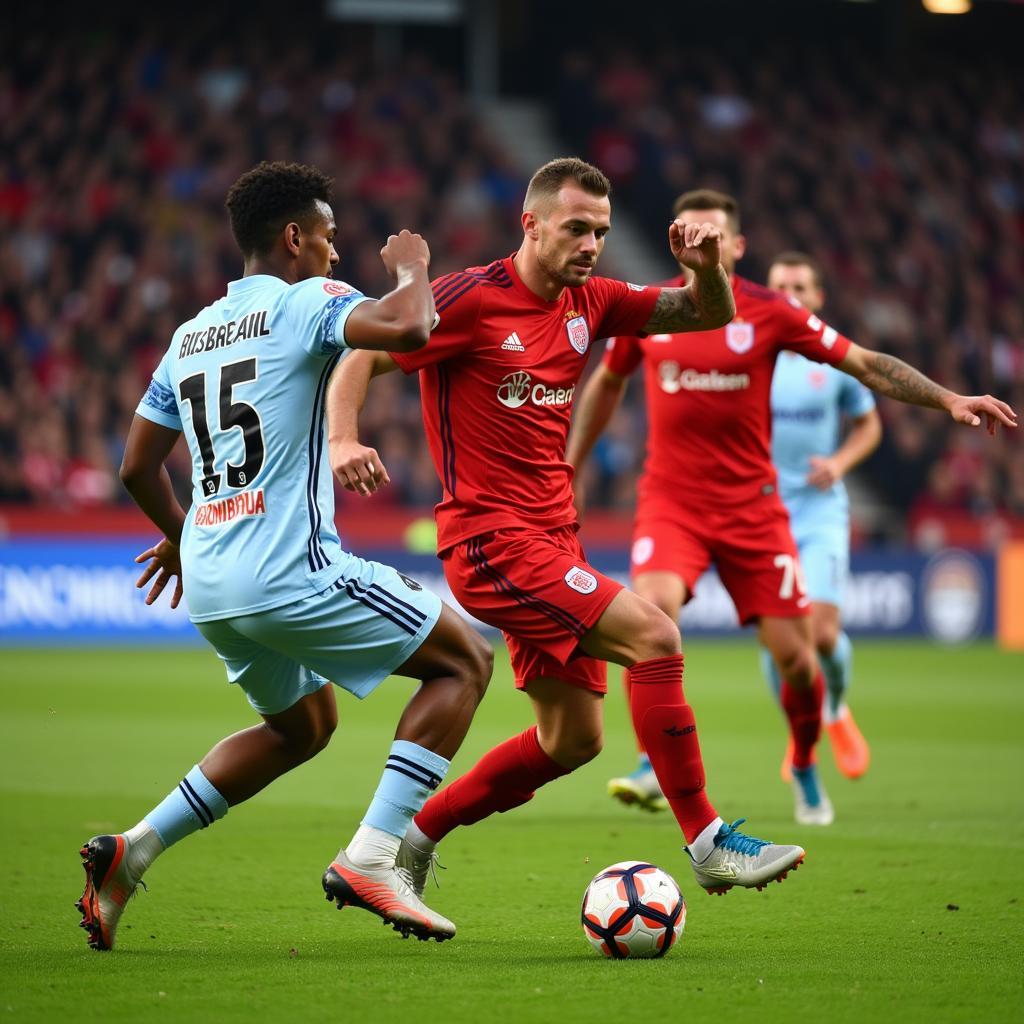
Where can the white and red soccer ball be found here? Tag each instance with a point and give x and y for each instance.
(633, 910)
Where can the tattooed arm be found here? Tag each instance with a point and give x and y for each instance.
(891, 376)
(706, 302)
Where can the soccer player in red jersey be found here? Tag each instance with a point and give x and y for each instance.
(708, 490)
(497, 381)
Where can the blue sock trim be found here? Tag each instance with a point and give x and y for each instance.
(194, 804)
(644, 764)
(410, 775)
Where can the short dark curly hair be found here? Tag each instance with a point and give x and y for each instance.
(270, 196)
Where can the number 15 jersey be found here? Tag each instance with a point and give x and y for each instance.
(245, 381)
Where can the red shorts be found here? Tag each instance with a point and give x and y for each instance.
(538, 589)
(751, 546)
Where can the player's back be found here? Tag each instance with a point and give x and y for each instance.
(246, 379)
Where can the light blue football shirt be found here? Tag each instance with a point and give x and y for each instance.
(246, 380)
(809, 401)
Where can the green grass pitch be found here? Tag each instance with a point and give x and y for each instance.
(911, 907)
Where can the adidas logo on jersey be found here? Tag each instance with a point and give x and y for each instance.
(513, 344)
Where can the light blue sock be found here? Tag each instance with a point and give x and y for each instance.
(837, 668)
(644, 764)
(411, 774)
(771, 674)
(193, 805)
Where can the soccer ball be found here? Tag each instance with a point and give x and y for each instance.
(633, 909)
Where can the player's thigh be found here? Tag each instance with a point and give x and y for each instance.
(453, 648)
(570, 720)
(632, 629)
(357, 632)
(309, 722)
(273, 681)
(666, 590)
(537, 588)
(759, 566)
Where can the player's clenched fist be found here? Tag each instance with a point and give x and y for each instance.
(697, 246)
(405, 247)
(357, 467)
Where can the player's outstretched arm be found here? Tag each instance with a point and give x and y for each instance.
(864, 437)
(357, 467)
(402, 319)
(707, 301)
(892, 377)
(594, 409)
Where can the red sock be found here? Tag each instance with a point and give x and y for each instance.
(665, 727)
(628, 687)
(503, 778)
(803, 709)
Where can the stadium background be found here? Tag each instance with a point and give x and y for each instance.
(884, 140)
(887, 141)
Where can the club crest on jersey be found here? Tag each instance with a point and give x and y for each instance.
(580, 580)
(579, 334)
(739, 337)
(336, 288)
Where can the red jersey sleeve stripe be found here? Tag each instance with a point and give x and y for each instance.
(453, 287)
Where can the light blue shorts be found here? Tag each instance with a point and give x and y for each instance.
(825, 558)
(355, 634)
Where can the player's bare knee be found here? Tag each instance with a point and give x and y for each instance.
(826, 636)
(577, 751)
(798, 666)
(659, 637)
(473, 664)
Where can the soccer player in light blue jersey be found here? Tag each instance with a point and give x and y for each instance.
(809, 403)
(259, 560)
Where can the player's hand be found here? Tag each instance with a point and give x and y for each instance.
(970, 409)
(825, 472)
(696, 246)
(404, 248)
(357, 467)
(165, 564)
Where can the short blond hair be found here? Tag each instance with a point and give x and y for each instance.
(548, 180)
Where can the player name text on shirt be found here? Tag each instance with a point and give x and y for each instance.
(254, 325)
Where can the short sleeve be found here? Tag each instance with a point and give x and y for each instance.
(158, 403)
(622, 354)
(625, 308)
(855, 399)
(801, 331)
(458, 309)
(318, 310)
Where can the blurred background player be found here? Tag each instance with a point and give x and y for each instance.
(709, 493)
(267, 581)
(497, 381)
(809, 403)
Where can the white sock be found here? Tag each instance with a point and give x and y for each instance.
(373, 848)
(144, 846)
(704, 844)
(419, 839)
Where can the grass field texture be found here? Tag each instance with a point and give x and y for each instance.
(910, 907)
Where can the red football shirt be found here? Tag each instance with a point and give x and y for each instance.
(709, 396)
(497, 380)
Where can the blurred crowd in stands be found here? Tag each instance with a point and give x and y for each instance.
(906, 180)
(115, 157)
(114, 164)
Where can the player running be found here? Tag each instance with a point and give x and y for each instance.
(268, 583)
(708, 492)
(809, 401)
(497, 381)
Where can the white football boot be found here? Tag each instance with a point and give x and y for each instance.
(109, 884)
(739, 859)
(387, 893)
(639, 788)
